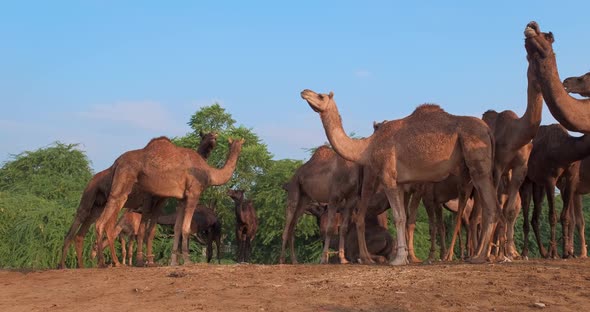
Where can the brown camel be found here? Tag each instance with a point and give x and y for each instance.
(426, 146)
(379, 241)
(575, 182)
(572, 113)
(325, 178)
(165, 170)
(95, 197)
(579, 85)
(246, 224)
(127, 226)
(554, 150)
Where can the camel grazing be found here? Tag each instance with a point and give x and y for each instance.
(327, 178)
(579, 85)
(572, 113)
(554, 150)
(205, 226)
(95, 197)
(512, 135)
(165, 170)
(246, 224)
(426, 146)
(379, 241)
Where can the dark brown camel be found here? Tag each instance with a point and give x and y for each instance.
(95, 197)
(572, 113)
(554, 150)
(579, 85)
(379, 241)
(205, 226)
(426, 146)
(165, 170)
(325, 178)
(246, 224)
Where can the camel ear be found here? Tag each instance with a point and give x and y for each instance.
(550, 37)
(230, 140)
(242, 140)
(331, 95)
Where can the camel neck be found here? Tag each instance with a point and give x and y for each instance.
(572, 113)
(221, 176)
(578, 149)
(531, 120)
(349, 149)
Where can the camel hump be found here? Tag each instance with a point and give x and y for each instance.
(323, 151)
(159, 139)
(428, 108)
(552, 132)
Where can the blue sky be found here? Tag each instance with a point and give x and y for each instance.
(113, 74)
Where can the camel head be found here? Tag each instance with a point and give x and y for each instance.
(537, 43)
(235, 145)
(237, 195)
(208, 140)
(317, 209)
(317, 101)
(579, 85)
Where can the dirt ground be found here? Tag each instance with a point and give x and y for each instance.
(559, 285)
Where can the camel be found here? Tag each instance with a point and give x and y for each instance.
(426, 146)
(205, 226)
(573, 184)
(554, 150)
(579, 85)
(246, 224)
(379, 240)
(95, 197)
(325, 178)
(572, 113)
(165, 170)
(127, 226)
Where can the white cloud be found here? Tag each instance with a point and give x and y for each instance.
(145, 115)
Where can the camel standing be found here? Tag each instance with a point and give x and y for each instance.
(246, 224)
(165, 170)
(554, 150)
(95, 197)
(576, 182)
(205, 226)
(325, 178)
(426, 146)
(127, 227)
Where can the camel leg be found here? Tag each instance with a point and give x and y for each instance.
(157, 208)
(209, 250)
(342, 231)
(440, 227)
(122, 185)
(399, 216)
(111, 236)
(474, 224)
(567, 195)
(432, 227)
(456, 229)
(549, 192)
(367, 191)
(535, 219)
(177, 232)
(331, 213)
(525, 197)
(512, 208)
(580, 224)
(189, 209)
(412, 208)
(123, 249)
(79, 239)
(490, 210)
(218, 243)
(294, 204)
(83, 219)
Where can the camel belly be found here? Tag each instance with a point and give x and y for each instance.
(164, 185)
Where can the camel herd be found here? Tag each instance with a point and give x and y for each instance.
(484, 169)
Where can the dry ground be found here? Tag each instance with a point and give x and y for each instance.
(561, 285)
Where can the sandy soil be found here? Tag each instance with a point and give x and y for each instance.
(561, 285)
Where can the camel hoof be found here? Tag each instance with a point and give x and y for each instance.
(152, 265)
(414, 260)
(344, 261)
(399, 261)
